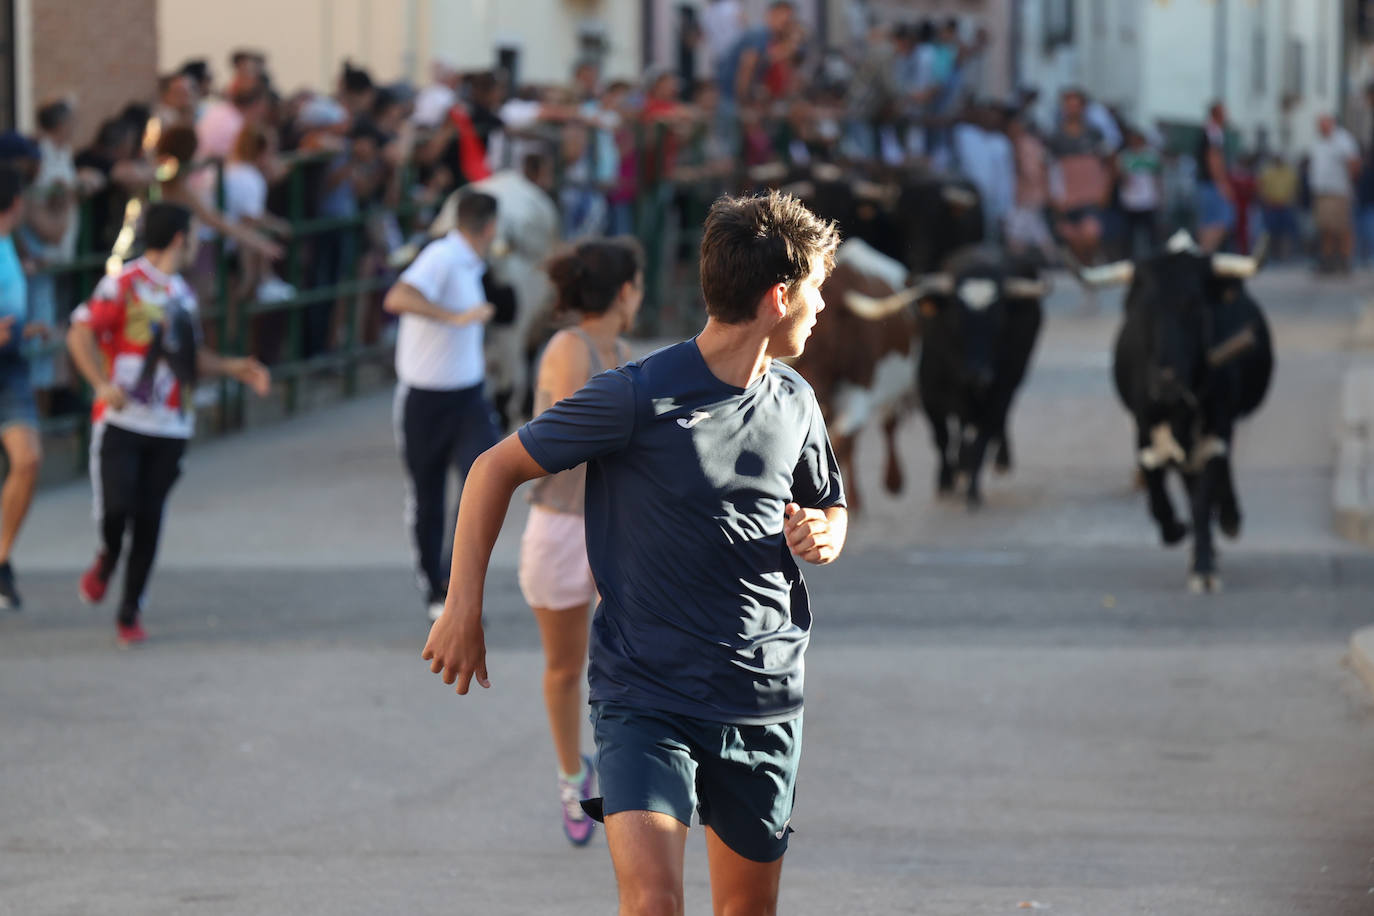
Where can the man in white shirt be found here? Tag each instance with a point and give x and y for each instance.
(1331, 172)
(441, 415)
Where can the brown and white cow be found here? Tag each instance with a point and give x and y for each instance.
(862, 366)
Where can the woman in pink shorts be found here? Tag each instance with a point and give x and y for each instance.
(601, 282)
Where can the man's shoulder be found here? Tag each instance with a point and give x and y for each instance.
(791, 380)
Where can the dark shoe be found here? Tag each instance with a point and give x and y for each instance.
(9, 595)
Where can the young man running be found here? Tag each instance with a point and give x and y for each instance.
(708, 471)
(441, 414)
(137, 342)
(18, 412)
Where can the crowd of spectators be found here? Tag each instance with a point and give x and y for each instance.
(364, 166)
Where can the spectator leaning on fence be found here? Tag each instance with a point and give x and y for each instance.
(1216, 201)
(18, 414)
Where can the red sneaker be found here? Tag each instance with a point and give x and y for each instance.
(129, 634)
(92, 587)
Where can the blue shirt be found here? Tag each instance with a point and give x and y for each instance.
(703, 610)
(14, 297)
(728, 69)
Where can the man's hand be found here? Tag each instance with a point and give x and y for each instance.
(809, 535)
(253, 374)
(6, 329)
(478, 315)
(37, 329)
(113, 396)
(457, 648)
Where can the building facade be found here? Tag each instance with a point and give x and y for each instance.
(396, 39)
(1276, 64)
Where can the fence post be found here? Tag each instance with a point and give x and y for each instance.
(296, 206)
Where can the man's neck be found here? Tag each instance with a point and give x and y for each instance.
(737, 354)
(164, 260)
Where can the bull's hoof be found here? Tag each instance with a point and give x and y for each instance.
(1001, 462)
(974, 500)
(1171, 533)
(1204, 584)
(944, 484)
(1229, 523)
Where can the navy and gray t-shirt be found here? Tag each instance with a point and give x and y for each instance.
(703, 610)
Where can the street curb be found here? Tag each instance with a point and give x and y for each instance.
(1352, 488)
(1362, 655)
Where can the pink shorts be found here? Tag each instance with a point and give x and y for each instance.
(553, 561)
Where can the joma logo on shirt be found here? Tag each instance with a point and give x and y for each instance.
(696, 417)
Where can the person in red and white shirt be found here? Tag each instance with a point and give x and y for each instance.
(137, 342)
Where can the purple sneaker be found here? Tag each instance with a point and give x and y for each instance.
(576, 824)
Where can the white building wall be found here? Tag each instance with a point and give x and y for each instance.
(306, 40)
(1158, 60)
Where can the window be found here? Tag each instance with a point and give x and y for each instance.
(1293, 69)
(1099, 12)
(1057, 19)
(1323, 55)
(1259, 61)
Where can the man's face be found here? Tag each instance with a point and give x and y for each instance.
(805, 303)
(483, 242)
(1072, 103)
(178, 96)
(1326, 124)
(780, 18)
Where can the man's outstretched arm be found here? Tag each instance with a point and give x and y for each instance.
(456, 648)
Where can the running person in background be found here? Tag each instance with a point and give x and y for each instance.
(602, 283)
(441, 413)
(18, 412)
(708, 472)
(137, 342)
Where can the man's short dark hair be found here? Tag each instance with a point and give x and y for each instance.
(751, 243)
(476, 211)
(11, 186)
(161, 224)
(54, 114)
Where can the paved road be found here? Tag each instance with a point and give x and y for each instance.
(1017, 706)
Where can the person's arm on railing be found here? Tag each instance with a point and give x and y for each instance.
(404, 299)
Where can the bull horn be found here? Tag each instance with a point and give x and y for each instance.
(1239, 266)
(1118, 273)
(1261, 250)
(826, 171)
(875, 309)
(1179, 242)
(959, 197)
(1026, 288)
(770, 171)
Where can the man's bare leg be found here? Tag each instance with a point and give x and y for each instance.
(740, 886)
(26, 457)
(647, 850)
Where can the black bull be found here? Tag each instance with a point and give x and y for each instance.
(980, 320)
(1193, 356)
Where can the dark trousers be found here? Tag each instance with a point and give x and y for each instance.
(436, 431)
(133, 475)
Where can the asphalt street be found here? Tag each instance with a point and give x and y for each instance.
(1008, 711)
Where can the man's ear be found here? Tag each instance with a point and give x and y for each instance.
(777, 298)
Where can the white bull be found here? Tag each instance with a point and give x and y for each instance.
(527, 232)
